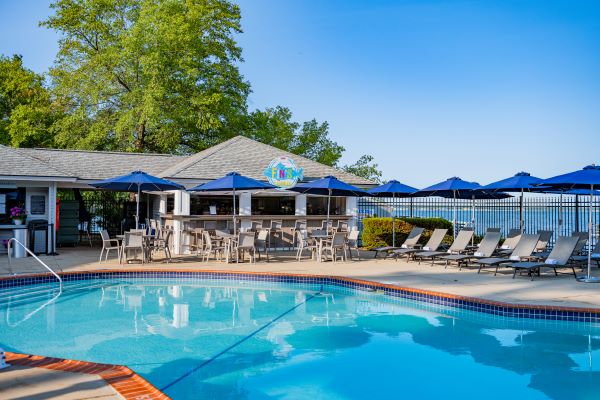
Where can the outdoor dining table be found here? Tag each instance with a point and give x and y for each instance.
(320, 238)
(147, 239)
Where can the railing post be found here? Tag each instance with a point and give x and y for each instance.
(576, 213)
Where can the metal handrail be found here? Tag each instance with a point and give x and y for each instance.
(34, 256)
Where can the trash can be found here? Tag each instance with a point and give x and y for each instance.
(38, 236)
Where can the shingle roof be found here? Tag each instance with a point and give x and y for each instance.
(249, 158)
(15, 162)
(97, 165)
(240, 154)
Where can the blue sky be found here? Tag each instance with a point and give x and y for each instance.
(432, 89)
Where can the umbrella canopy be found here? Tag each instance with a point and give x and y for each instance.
(392, 189)
(454, 188)
(585, 178)
(329, 186)
(232, 181)
(137, 181)
(520, 182)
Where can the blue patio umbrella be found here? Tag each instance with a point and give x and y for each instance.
(454, 188)
(520, 182)
(232, 181)
(392, 189)
(329, 186)
(137, 181)
(586, 179)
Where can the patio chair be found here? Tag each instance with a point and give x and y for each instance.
(246, 243)
(109, 244)
(458, 246)
(342, 226)
(210, 247)
(162, 244)
(559, 257)
(275, 229)
(486, 249)
(411, 241)
(256, 225)
(335, 245)
(490, 230)
(299, 225)
(352, 242)
(133, 242)
(522, 251)
(432, 245)
(303, 244)
(262, 242)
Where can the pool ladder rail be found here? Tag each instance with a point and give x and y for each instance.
(13, 240)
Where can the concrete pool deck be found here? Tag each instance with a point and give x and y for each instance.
(550, 290)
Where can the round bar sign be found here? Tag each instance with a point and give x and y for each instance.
(283, 172)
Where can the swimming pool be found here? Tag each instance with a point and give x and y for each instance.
(236, 338)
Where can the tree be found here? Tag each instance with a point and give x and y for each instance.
(275, 126)
(26, 110)
(147, 75)
(365, 168)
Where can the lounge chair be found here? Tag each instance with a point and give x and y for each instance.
(432, 244)
(486, 249)
(523, 250)
(582, 259)
(410, 242)
(459, 245)
(559, 258)
(513, 237)
(583, 239)
(542, 244)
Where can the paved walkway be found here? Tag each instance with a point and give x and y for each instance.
(548, 289)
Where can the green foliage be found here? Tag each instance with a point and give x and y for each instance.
(275, 126)
(365, 168)
(147, 75)
(378, 232)
(26, 110)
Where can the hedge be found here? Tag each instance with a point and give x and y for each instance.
(377, 232)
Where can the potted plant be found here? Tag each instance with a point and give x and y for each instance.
(18, 215)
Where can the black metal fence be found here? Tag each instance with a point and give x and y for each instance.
(539, 212)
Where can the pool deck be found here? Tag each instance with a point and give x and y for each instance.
(33, 378)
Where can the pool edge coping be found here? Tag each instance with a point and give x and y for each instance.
(122, 379)
(363, 283)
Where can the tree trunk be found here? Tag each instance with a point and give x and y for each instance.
(141, 138)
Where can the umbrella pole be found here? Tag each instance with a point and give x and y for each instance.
(234, 224)
(393, 219)
(454, 215)
(137, 209)
(521, 221)
(560, 214)
(328, 205)
(473, 218)
(589, 278)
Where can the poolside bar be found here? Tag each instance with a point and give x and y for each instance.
(32, 178)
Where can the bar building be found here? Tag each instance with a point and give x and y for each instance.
(32, 177)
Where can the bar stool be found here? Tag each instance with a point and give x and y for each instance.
(299, 225)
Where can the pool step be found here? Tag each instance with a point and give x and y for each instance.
(25, 294)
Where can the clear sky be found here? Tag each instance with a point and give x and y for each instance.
(432, 89)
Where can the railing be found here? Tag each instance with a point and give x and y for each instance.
(13, 240)
(540, 212)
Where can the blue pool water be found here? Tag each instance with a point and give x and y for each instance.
(218, 339)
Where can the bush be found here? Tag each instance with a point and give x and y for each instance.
(377, 232)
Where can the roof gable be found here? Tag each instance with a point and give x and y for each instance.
(249, 157)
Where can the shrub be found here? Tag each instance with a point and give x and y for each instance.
(377, 232)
